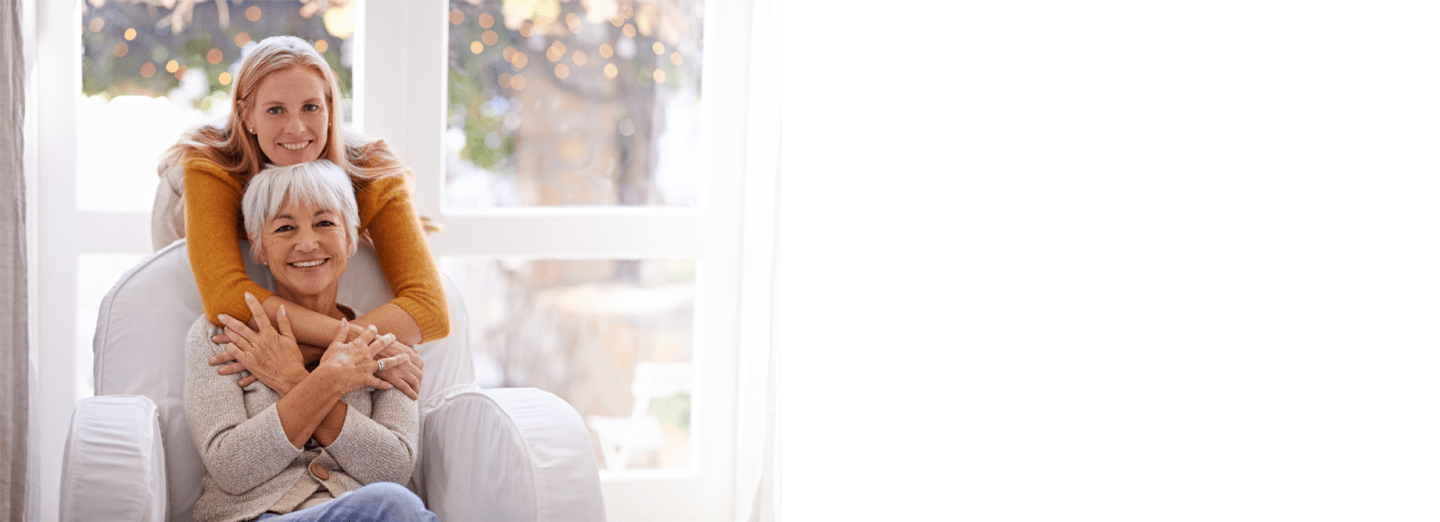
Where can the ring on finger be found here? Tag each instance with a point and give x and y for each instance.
(382, 365)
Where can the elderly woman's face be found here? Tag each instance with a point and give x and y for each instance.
(306, 248)
(289, 116)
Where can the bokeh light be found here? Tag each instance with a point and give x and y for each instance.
(456, 17)
(121, 50)
(224, 78)
(611, 71)
(629, 31)
(253, 13)
(490, 37)
(676, 59)
(147, 69)
(130, 34)
(214, 56)
(487, 20)
(517, 82)
(322, 45)
(476, 47)
(659, 76)
(659, 48)
(579, 58)
(606, 51)
(242, 39)
(172, 66)
(561, 71)
(97, 24)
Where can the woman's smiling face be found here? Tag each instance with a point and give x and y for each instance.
(305, 247)
(289, 116)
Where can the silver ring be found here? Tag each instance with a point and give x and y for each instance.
(382, 365)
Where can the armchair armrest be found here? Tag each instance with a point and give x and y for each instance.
(506, 454)
(114, 465)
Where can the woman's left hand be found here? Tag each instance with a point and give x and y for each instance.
(270, 355)
(407, 375)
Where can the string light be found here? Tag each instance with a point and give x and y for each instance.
(676, 59)
(97, 24)
(224, 78)
(659, 76)
(147, 70)
(487, 20)
(611, 71)
(214, 56)
(242, 39)
(130, 34)
(322, 45)
(490, 37)
(579, 58)
(517, 82)
(629, 30)
(172, 66)
(476, 47)
(659, 48)
(561, 71)
(456, 17)
(253, 13)
(121, 50)
(606, 51)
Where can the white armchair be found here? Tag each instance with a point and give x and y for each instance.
(498, 454)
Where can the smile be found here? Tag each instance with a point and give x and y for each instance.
(309, 264)
(295, 146)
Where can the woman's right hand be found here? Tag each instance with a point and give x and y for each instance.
(353, 364)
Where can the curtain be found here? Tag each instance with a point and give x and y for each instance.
(14, 306)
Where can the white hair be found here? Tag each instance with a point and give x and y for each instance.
(319, 183)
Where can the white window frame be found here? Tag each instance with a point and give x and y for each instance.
(407, 106)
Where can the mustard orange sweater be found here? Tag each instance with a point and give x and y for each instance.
(214, 227)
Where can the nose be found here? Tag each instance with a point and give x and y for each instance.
(294, 125)
(306, 240)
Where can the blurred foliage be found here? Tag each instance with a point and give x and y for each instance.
(114, 65)
(480, 97)
(674, 411)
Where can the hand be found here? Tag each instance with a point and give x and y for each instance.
(405, 375)
(351, 365)
(270, 355)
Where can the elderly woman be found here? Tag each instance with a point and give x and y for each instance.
(319, 436)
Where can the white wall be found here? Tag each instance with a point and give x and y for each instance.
(1110, 260)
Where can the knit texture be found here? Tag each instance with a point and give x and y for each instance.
(251, 467)
(214, 227)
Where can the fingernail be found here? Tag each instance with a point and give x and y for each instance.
(249, 296)
(282, 310)
(222, 317)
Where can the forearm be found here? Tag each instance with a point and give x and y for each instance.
(332, 425)
(308, 404)
(318, 329)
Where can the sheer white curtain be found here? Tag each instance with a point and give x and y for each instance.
(14, 331)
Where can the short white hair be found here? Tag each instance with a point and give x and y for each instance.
(319, 183)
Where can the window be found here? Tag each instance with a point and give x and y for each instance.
(611, 219)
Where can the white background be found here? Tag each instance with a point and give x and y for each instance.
(1110, 261)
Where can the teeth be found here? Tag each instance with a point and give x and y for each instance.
(308, 264)
(295, 146)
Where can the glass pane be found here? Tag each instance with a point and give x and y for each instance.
(96, 275)
(555, 102)
(612, 338)
(151, 71)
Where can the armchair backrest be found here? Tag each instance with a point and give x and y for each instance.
(140, 346)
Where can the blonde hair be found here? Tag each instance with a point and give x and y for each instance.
(239, 153)
(319, 183)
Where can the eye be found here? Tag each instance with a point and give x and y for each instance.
(283, 229)
(325, 223)
(273, 110)
(310, 107)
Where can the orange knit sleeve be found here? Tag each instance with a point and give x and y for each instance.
(388, 214)
(212, 238)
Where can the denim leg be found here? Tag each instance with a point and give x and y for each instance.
(378, 502)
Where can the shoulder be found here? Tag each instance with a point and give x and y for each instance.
(199, 166)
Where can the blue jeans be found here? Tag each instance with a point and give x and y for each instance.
(378, 502)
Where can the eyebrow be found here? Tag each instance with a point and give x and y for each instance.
(270, 103)
(317, 213)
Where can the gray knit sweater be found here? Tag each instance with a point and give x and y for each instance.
(250, 466)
